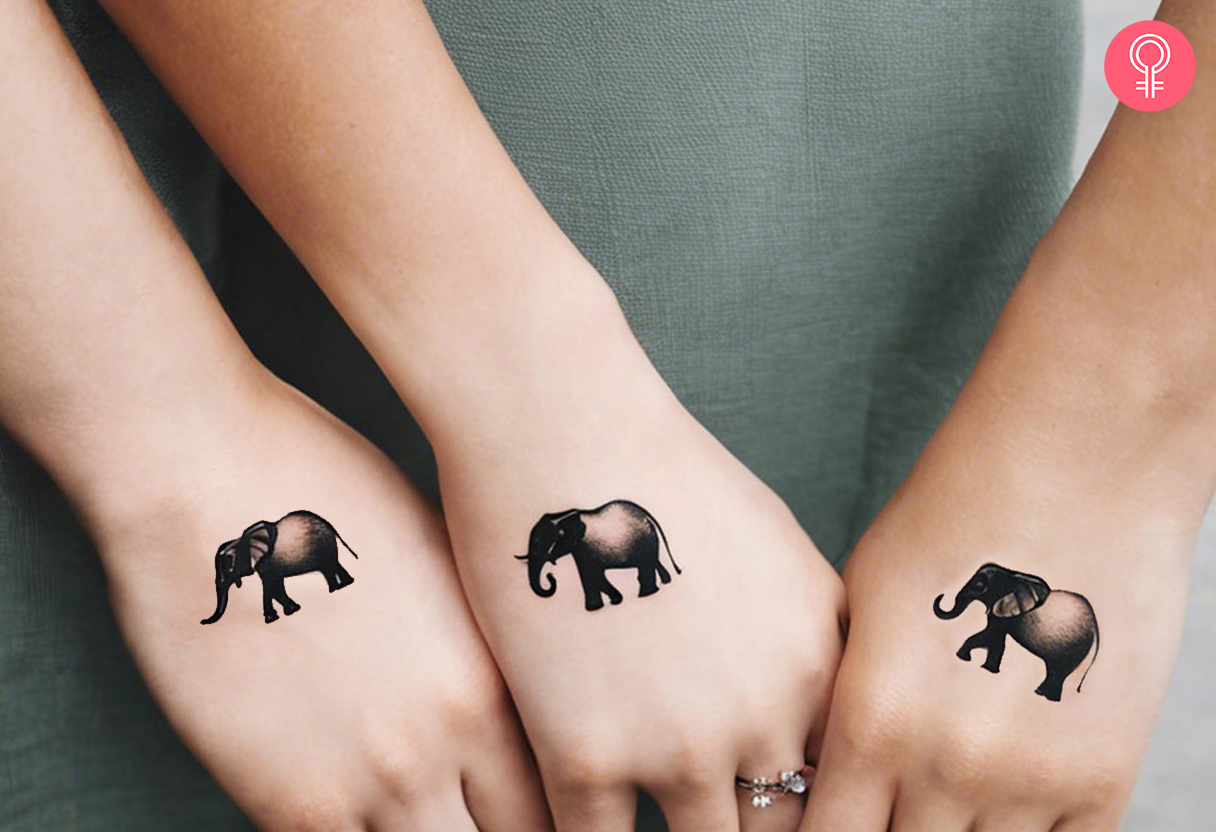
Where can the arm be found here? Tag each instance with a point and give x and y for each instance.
(352, 132)
(1080, 451)
(376, 704)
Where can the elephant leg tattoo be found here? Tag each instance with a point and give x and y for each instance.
(617, 535)
(1059, 627)
(300, 542)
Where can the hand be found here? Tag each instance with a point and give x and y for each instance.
(677, 675)
(375, 706)
(926, 742)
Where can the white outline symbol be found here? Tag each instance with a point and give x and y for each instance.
(1150, 86)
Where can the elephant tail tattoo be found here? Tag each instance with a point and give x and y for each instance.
(1097, 644)
(663, 537)
(347, 545)
(1057, 626)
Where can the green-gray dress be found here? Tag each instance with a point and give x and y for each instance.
(811, 211)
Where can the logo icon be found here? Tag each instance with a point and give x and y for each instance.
(1150, 85)
(1150, 66)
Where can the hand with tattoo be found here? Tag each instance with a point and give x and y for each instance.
(659, 615)
(669, 624)
(1016, 608)
(1018, 712)
(371, 701)
(1009, 716)
(661, 619)
(375, 705)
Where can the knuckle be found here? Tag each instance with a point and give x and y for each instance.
(474, 698)
(1040, 775)
(1107, 784)
(684, 765)
(874, 733)
(472, 709)
(580, 773)
(817, 673)
(969, 759)
(1049, 774)
(961, 771)
(400, 773)
(316, 811)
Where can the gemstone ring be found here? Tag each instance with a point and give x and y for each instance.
(764, 790)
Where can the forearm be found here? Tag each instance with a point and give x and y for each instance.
(96, 373)
(1075, 467)
(351, 129)
(1101, 373)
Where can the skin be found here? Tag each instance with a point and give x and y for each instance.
(1081, 450)
(1088, 423)
(377, 707)
(350, 128)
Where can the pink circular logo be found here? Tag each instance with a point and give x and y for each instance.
(1150, 65)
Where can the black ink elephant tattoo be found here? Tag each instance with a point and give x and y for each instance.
(1059, 627)
(300, 542)
(617, 535)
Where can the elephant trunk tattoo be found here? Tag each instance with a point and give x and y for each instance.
(542, 583)
(1057, 626)
(617, 535)
(300, 542)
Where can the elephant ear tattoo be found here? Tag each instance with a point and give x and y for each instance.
(617, 535)
(1057, 626)
(300, 542)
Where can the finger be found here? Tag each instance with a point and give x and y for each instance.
(926, 812)
(848, 797)
(783, 811)
(709, 808)
(1019, 824)
(782, 815)
(580, 807)
(1026, 816)
(1089, 823)
(502, 788)
(817, 733)
(447, 814)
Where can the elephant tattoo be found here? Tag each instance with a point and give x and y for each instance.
(300, 542)
(617, 535)
(1057, 626)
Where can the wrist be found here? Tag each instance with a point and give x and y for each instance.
(1073, 396)
(512, 358)
(1133, 316)
(122, 460)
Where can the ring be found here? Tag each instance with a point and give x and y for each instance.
(764, 790)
